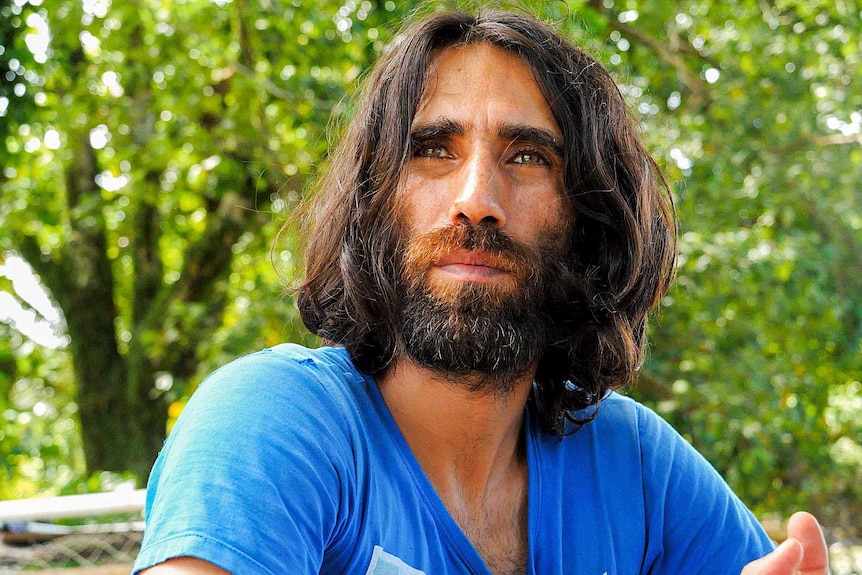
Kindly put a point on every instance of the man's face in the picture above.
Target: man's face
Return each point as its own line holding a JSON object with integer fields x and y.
{"x": 484, "y": 216}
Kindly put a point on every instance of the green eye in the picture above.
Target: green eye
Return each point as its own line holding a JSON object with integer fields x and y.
{"x": 530, "y": 158}
{"x": 431, "y": 151}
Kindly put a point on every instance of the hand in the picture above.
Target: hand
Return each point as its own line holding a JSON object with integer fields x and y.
{"x": 804, "y": 552}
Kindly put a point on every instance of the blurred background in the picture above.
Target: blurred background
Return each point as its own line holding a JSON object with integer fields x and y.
{"x": 150, "y": 150}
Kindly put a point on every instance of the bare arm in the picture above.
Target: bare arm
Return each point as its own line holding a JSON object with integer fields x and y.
{"x": 185, "y": 566}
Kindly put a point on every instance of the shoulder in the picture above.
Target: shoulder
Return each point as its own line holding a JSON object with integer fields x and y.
{"x": 623, "y": 419}
{"x": 267, "y": 440}
{"x": 660, "y": 449}
{"x": 285, "y": 378}
{"x": 628, "y": 445}
{"x": 267, "y": 402}
{"x": 278, "y": 400}
{"x": 284, "y": 366}
{"x": 617, "y": 408}
{"x": 687, "y": 504}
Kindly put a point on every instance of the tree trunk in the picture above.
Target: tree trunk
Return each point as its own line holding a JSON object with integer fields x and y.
{"x": 122, "y": 414}
{"x": 122, "y": 421}
{"x": 120, "y": 432}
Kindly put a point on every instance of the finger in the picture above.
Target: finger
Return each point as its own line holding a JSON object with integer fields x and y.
{"x": 804, "y": 528}
{"x": 784, "y": 560}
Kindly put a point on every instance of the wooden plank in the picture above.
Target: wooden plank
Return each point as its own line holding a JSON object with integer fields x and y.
{"x": 72, "y": 506}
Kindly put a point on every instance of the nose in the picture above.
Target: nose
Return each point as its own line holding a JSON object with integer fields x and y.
{"x": 479, "y": 192}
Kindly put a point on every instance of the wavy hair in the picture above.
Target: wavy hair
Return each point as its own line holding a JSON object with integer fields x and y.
{"x": 622, "y": 244}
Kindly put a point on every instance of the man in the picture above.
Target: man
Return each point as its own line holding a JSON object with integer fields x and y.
{"x": 490, "y": 238}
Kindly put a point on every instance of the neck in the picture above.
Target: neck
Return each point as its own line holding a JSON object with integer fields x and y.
{"x": 468, "y": 443}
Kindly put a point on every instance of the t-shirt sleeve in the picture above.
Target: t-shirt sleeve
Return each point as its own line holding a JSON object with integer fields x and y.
{"x": 252, "y": 475}
{"x": 695, "y": 523}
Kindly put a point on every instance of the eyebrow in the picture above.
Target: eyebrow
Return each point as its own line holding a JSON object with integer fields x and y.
{"x": 440, "y": 129}
{"x": 447, "y": 127}
{"x": 539, "y": 137}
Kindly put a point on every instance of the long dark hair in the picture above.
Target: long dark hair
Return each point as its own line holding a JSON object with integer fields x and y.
{"x": 623, "y": 234}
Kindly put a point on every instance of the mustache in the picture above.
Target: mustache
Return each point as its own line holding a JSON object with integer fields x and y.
{"x": 496, "y": 246}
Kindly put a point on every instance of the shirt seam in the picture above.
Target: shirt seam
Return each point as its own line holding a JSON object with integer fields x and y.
{"x": 161, "y": 542}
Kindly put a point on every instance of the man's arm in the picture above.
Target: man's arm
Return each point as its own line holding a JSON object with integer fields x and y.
{"x": 804, "y": 552}
{"x": 185, "y": 566}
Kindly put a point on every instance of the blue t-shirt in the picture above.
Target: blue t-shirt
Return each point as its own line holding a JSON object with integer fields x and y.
{"x": 288, "y": 461}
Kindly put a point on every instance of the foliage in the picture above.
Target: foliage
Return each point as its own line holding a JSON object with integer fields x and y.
{"x": 152, "y": 151}
{"x": 757, "y": 348}
{"x": 157, "y": 147}
{"x": 37, "y": 414}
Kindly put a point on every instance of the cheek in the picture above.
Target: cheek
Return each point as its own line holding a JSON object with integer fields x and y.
{"x": 419, "y": 206}
{"x": 541, "y": 210}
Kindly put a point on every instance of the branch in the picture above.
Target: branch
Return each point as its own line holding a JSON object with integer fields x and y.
{"x": 86, "y": 284}
{"x": 769, "y": 14}
{"x": 81, "y": 177}
{"x": 656, "y": 389}
{"x": 844, "y": 263}
{"x": 837, "y": 139}
{"x": 246, "y": 56}
{"x": 202, "y": 281}
{"x": 682, "y": 45}
{"x": 147, "y": 256}
{"x": 47, "y": 269}
{"x": 699, "y": 90}
{"x": 210, "y": 256}
{"x": 823, "y": 140}
{"x": 246, "y": 66}
{"x": 267, "y": 84}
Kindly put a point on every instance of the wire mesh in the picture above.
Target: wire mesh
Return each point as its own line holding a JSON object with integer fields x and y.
{"x": 71, "y": 551}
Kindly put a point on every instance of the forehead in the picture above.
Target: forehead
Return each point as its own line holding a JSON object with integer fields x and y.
{"x": 480, "y": 84}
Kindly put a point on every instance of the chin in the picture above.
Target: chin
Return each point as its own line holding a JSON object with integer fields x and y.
{"x": 455, "y": 291}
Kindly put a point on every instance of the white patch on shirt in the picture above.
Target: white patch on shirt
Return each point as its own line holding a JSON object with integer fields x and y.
{"x": 383, "y": 563}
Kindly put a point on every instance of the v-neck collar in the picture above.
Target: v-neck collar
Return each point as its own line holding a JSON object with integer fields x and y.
{"x": 460, "y": 543}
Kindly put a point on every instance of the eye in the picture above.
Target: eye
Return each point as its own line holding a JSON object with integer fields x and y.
{"x": 430, "y": 150}
{"x": 530, "y": 158}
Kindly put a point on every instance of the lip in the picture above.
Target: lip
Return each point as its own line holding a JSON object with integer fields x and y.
{"x": 472, "y": 266}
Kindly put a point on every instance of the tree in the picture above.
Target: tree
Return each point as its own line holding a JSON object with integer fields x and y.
{"x": 155, "y": 148}
{"x": 151, "y": 154}
{"x": 756, "y": 350}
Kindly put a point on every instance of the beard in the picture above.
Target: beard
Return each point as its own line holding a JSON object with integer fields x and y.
{"x": 492, "y": 333}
